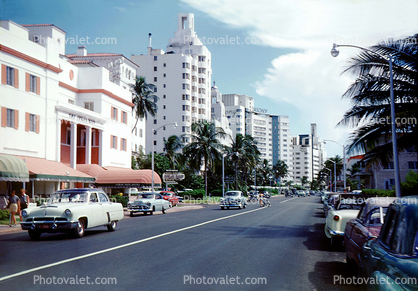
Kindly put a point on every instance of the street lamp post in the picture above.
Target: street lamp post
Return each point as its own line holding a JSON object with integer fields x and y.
{"x": 154, "y": 131}
{"x": 334, "y": 53}
{"x": 344, "y": 161}
{"x": 329, "y": 176}
{"x": 335, "y": 175}
{"x": 223, "y": 171}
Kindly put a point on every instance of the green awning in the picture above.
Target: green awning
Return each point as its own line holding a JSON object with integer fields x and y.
{"x": 13, "y": 169}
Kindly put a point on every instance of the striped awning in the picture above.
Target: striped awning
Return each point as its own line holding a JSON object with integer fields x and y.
{"x": 13, "y": 169}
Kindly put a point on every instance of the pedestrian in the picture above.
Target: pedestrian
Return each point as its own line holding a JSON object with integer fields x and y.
{"x": 14, "y": 207}
{"x": 24, "y": 202}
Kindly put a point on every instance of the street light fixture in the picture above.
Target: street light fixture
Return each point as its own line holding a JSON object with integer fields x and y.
{"x": 154, "y": 132}
{"x": 344, "y": 161}
{"x": 223, "y": 171}
{"x": 334, "y": 53}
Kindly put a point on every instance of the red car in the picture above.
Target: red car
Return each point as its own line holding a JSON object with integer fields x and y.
{"x": 367, "y": 225}
{"x": 171, "y": 197}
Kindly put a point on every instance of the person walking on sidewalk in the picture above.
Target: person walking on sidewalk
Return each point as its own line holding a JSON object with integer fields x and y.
{"x": 14, "y": 207}
{"x": 24, "y": 202}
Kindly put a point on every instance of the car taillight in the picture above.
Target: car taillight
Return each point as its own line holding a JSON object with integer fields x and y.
{"x": 336, "y": 217}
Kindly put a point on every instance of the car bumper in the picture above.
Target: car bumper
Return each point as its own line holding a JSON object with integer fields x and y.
{"x": 48, "y": 225}
{"x": 335, "y": 233}
{"x": 142, "y": 208}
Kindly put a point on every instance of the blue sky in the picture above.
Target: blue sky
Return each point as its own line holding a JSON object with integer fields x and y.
{"x": 289, "y": 73}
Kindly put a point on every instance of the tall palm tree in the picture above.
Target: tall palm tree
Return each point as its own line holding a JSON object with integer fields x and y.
{"x": 247, "y": 154}
{"x": 280, "y": 169}
{"x": 171, "y": 146}
{"x": 144, "y": 99}
{"x": 370, "y": 95}
{"x": 266, "y": 170}
{"x": 205, "y": 147}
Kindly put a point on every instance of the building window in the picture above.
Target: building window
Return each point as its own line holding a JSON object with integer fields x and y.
{"x": 10, "y": 76}
{"x": 12, "y": 118}
{"x": 114, "y": 113}
{"x": 389, "y": 184}
{"x": 140, "y": 132}
{"x": 32, "y": 123}
{"x": 32, "y": 83}
{"x": 164, "y": 75}
{"x": 155, "y": 121}
{"x": 123, "y": 144}
{"x": 164, "y": 65}
{"x": 164, "y": 117}
{"x": 186, "y": 86}
{"x": 155, "y": 58}
{"x": 155, "y": 89}
{"x": 70, "y": 101}
{"x": 113, "y": 142}
{"x": 124, "y": 117}
{"x": 164, "y": 96}
{"x": 164, "y": 107}
{"x": 155, "y": 79}
{"x": 155, "y": 69}
{"x": 89, "y": 105}
{"x": 413, "y": 165}
{"x": 389, "y": 166}
{"x": 68, "y": 136}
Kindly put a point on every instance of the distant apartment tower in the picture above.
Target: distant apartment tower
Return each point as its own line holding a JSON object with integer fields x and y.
{"x": 218, "y": 115}
{"x": 270, "y": 131}
{"x": 307, "y": 156}
{"x": 182, "y": 79}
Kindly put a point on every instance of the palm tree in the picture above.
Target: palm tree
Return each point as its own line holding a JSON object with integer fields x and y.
{"x": 171, "y": 146}
{"x": 280, "y": 169}
{"x": 371, "y": 99}
{"x": 205, "y": 146}
{"x": 247, "y": 154}
{"x": 144, "y": 99}
{"x": 266, "y": 170}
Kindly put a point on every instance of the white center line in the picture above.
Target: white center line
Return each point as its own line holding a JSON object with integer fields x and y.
{"x": 121, "y": 246}
{"x": 288, "y": 200}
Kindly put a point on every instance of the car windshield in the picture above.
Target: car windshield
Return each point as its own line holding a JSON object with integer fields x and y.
{"x": 354, "y": 206}
{"x": 232, "y": 194}
{"x": 65, "y": 197}
{"x": 145, "y": 196}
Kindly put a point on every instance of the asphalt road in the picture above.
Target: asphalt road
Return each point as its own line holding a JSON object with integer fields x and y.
{"x": 282, "y": 247}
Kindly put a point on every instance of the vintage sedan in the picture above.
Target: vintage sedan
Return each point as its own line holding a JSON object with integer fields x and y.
{"x": 171, "y": 197}
{"x": 392, "y": 258}
{"x": 72, "y": 210}
{"x": 233, "y": 199}
{"x": 367, "y": 225}
{"x": 346, "y": 208}
{"x": 148, "y": 202}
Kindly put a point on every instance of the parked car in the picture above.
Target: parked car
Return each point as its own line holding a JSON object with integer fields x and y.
{"x": 366, "y": 225}
{"x": 148, "y": 202}
{"x": 72, "y": 210}
{"x": 3, "y": 202}
{"x": 325, "y": 196}
{"x": 330, "y": 202}
{"x": 233, "y": 199}
{"x": 170, "y": 197}
{"x": 392, "y": 258}
{"x": 346, "y": 208}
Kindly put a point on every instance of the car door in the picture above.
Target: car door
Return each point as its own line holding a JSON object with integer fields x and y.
{"x": 98, "y": 216}
{"x": 107, "y": 206}
{"x": 158, "y": 202}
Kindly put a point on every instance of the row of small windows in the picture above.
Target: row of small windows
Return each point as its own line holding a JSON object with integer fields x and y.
{"x": 114, "y": 115}
{"x": 114, "y": 143}
{"x": 10, "y": 118}
{"x": 10, "y": 76}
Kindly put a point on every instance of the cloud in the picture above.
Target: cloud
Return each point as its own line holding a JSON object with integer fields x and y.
{"x": 310, "y": 79}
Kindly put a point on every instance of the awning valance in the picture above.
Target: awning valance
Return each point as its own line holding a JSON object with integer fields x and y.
{"x": 13, "y": 169}
{"x": 46, "y": 170}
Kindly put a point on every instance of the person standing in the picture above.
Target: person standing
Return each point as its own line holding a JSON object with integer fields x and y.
{"x": 14, "y": 207}
{"x": 24, "y": 202}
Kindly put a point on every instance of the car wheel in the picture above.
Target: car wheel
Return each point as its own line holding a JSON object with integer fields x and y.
{"x": 222, "y": 208}
{"x": 227, "y": 208}
{"x": 79, "y": 230}
{"x": 34, "y": 234}
{"x": 240, "y": 206}
{"x": 152, "y": 212}
{"x": 164, "y": 210}
{"x": 131, "y": 214}
{"x": 112, "y": 226}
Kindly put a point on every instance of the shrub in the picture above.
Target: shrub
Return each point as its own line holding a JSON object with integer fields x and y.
{"x": 120, "y": 199}
{"x": 198, "y": 193}
{"x": 379, "y": 192}
{"x": 4, "y": 214}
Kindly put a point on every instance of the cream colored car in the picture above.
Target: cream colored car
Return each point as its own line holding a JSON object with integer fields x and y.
{"x": 72, "y": 210}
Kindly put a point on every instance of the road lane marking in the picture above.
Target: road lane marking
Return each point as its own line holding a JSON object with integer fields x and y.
{"x": 288, "y": 200}
{"x": 123, "y": 246}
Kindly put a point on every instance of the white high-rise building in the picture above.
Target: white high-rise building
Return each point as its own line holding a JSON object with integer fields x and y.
{"x": 182, "y": 76}
{"x": 219, "y": 116}
{"x": 307, "y": 156}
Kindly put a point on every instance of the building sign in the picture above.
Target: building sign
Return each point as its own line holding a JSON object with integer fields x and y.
{"x": 260, "y": 110}
{"x": 173, "y": 176}
{"x": 81, "y": 118}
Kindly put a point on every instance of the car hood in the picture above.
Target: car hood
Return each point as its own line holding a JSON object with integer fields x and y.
{"x": 142, "y": 201}
{"x": 52, "y": 209}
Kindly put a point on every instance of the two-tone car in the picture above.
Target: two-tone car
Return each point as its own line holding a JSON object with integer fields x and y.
{"x": 346, "y": 208}
{"x": 391, "y": 260}
{"x": 365, "y": 226}
{"x": 148, "y": 202}
{"x": 171, "y": 197}
{"x": 72, "y": 210}
{"x": 233, "y": 199}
